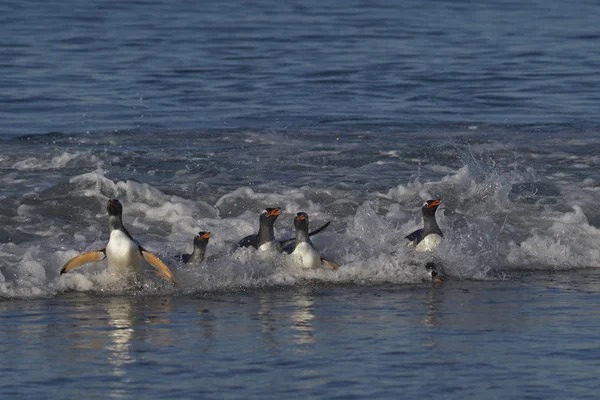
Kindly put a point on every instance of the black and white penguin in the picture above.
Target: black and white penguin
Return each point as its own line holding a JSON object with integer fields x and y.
{"x": 430, "y": 236}
{"x": 197, "y": 256}
{"x": 303, "y": 249}
{"x": 123, "y": 253}
{"x": 434, "y": 274}
{"x": 264, "y": 240}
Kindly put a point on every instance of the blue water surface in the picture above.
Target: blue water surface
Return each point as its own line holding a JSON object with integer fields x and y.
{"x": 200, "y": 114}
{"x": 179, "y": 65}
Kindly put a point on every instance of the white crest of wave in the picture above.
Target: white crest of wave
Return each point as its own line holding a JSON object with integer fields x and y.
{"x": 491, "y": 220}
{"x": 569, "y": 242}
{"x": 57, "y": 162}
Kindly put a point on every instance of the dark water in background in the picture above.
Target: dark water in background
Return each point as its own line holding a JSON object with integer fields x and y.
{"x": 197, "y": 116}
{"x": 166, "y": 66}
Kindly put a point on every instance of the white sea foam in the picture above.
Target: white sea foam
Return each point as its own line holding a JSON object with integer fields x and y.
{"x": 58, "y": 162}
{"x": 492, "y": 220}
{"x": 569, "y": 242}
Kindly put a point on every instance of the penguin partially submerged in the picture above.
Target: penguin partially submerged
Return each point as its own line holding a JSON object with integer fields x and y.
{"x": 265, "y": 238}
{"x": 123, "y": 253}
{"x": 428, "y": 237}
{"x": 197, "y": 256}
{"x": 303, "y": 249}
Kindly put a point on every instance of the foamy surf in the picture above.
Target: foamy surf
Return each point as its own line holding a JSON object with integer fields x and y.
{"x": 495, "y": 220}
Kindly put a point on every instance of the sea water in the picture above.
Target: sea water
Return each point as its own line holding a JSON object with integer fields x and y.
{"x": 198, "y": 116}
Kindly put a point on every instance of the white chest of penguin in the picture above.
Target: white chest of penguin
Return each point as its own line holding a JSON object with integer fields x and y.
{"x": 123, "y": 254}
{"x": 429, "y": 242}
{"x": 271, "y": 246}
{"x": 307, "y": 256}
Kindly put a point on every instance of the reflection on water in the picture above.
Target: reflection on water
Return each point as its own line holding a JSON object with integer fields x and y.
{"x": 121, "y": 318}
{"x": 268, "y": 321}
{"x": 128, "y": 318}
{"x": 431, "y": 319}
{"x": 302, "y": 317}
{"x": 432, "y": 304}
{"x": 125, "y": 317}
{"x": 265, "y": 313}
{"x": 328, "y": 342}
{"x": 288, "y": 321}
{"x": 207, "y": 324}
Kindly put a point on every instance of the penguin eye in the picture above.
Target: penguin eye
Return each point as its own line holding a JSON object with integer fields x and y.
{"x": 426, "y": 205}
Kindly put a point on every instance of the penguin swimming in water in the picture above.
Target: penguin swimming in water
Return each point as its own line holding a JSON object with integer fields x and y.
{"x": 123, "y": 253}
{"x": 428, "y": 237}
{"x": 303, "y": 249}
{"x": 265, "y": 238}
{"x": 434, "y": 274}
{"x": 197, "y": 256}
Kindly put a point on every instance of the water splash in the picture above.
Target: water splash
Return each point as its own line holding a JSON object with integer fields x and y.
{"x": 495, "y": 219}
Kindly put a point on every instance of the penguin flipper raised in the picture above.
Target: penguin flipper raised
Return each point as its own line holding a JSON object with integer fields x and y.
{"x": 248, "y": 241}
{"x": 285, "y": 243}
{"x": 416, "y": 236}
{"x": 325, "y": 225}
{"x": 329, "y": 264}
{"x": 163, "y": 270}
{"x": 84, "y": 258}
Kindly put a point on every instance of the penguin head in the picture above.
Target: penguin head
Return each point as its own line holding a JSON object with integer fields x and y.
{"x": 114, "y": 207}
{"x": 269, "y": 214}
{"x": 201, "y": 239}
{"x": 433, "y": 272}
{"x": 430, "y": 206}
{"x": 301, "y": 221}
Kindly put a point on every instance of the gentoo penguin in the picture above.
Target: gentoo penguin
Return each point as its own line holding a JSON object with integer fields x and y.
{"x": 430, "y": 236}
{"x": 123, "y": 253}
{"x": 200, "y": 242}
{"x": 303, "y": 249}
{"x": 434, "y": 274}
{"x": 265, "y": 238}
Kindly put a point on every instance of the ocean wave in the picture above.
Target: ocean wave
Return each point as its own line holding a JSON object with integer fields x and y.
{"x": 493, "y": 222}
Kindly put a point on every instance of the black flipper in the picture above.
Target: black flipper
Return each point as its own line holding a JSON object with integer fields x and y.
{"x": 290, "y": 247}
{"x": 184, "y": 258}
{"x": 285, "y": 244}
{"x": 248, "y": 241}
{"x": 416, "y": 236}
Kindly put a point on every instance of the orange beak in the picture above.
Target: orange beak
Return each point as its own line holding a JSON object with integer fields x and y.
{"x": 275, "y": 212}
{"x": 435, "y": 203}
{"x": 205, "y": 236}
{"x": 300, "y": 217}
